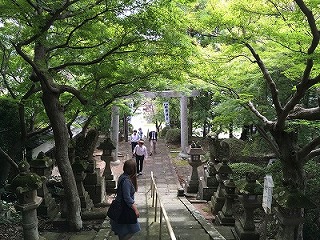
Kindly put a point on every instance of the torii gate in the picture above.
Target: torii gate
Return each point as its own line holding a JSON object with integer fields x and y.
{"x": 183, "y": 117}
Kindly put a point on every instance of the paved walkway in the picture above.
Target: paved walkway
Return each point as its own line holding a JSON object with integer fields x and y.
{"x": 186, "y": 221}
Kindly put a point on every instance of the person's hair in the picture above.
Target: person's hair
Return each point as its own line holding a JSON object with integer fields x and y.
{"x": 130, "y": 168}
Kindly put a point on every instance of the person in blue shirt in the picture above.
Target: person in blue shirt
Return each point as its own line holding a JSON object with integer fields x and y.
{"x": 128, "y": 188}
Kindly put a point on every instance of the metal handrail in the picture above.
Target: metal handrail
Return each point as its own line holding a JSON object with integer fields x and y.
{"x": 163, "y": 214}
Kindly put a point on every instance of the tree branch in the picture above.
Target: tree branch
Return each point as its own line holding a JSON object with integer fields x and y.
{"x": 305, "y": 113}
{"x": 9, "y": 159}
{"x": 312, "y": 154}
{"x": 75, "y": 92}
{"x": 268, "y": 78}
{"x": 269, "y": 140}
{"x": 306, "y": 150}
{"x": 267, "y": 122}
{"x": 312, "y": 24}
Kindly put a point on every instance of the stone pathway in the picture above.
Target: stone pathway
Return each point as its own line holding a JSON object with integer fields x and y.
{"x": 185, "y": 225}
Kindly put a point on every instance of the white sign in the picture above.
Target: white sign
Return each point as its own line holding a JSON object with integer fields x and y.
{"x": 166, "y": 113}
{"x": 267, "y": 193}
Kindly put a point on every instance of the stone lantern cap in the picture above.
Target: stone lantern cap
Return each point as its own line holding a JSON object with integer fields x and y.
{"x": 292, "y": 199}
{"x": 106, "y": 145}
{"x": 42, "y": 161}
{"x": 25, "y": 181}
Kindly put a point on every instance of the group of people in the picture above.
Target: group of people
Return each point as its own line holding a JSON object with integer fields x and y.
{"x": 128, "y": 180}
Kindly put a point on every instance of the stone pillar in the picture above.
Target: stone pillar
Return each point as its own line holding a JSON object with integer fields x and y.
{"x": 209, "y": 183}
{"x": 218, "y": 198}
{"x": 25, "y": 185}
{"x": 93, "y": 183}
{"x": 79, "y": 167}
{"x": 184, "y": 126}
{"x": 107, "y": 147}
{"x": 115, "y": 130}
{"x": 42, "y": 166}
{"x": 225, "y": 216}
{"x": 250, "y": 197}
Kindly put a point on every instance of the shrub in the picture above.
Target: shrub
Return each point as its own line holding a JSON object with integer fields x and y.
{"x": 164, "y": 131}
{"x": 240, "y": 170}
{"x": 173, "y": 136}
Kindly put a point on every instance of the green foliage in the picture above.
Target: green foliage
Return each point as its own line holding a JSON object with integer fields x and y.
{"x": 240, "y": 169}
{"x": 8, "y": 214}
{"x": 233, "y": 146}
{"x": 311, "y": 228}
{"x": 257, "y": 146}
{"x": 164, "y": 131}
{"x": 9, "y": 123}
{"x": 173, "y": 136}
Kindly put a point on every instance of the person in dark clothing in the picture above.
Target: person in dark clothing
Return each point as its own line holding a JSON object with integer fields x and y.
{"x": 128, "y": 188}
{"x": 153, "y": 138}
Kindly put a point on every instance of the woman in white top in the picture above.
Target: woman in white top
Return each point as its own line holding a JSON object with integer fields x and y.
{"x": 140, "y": 152}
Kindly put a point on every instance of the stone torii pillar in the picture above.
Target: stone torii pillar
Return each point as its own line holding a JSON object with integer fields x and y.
{"x": 184, "y": 125}
{"x": 114, "y": 132}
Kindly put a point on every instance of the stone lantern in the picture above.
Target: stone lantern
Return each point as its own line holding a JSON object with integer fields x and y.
{"x": 195, "y": 153}
{"x": 225, "y": 216}
{"x": 289, "y": 203}
{"x": 250, "y": 192}
{"x": 25, "y": 185}
{"x": 218, "y": 198}
{"x": 42, "y": 166}
{"x": 107, "y": 147}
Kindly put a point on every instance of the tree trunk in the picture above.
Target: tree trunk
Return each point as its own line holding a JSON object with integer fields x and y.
{"x": 292, "y": 167}
{"x": 61, "y": 138}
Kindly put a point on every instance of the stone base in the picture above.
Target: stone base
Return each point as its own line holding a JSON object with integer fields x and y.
{"x": 205, "y": 192}
{"x": 192, "y": 186}
{"x": 216, "y": 204}
{"x": 48, "y": 208}
{"x": 97, "y": 191}
{"x": 86, "y": 202}
{"x": 222, "y": 219}
{"x": 241, "y": 234}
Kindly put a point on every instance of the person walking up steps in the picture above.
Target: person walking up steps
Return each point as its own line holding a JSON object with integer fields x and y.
{"x": 153, "y": 138}
{"x": 140, "y": 152}
{"x": 134, "y": 139}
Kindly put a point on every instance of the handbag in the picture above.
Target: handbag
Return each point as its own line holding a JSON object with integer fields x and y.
{"x": 114, "y": 210}
{"x": 120, "y": 212}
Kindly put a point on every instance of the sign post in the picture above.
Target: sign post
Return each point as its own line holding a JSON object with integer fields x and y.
{"x": 267, "y": 199}
{"x": 166, "y": 113}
